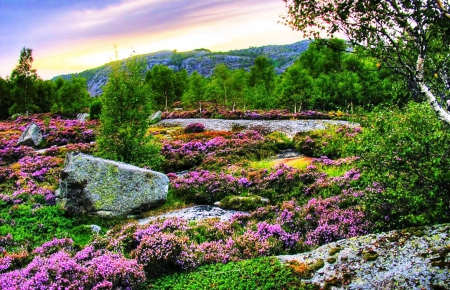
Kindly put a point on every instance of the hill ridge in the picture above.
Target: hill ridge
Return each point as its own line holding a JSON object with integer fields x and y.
{"x": 201, "y": 60}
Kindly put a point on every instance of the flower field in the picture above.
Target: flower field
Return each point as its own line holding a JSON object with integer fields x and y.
{"x": 41, "y": 247}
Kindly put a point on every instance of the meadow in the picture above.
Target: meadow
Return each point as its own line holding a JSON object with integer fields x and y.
{"x": 391, "y": 173}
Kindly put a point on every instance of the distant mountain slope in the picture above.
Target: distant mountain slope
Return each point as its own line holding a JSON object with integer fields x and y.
{"x": 203, "y": 61}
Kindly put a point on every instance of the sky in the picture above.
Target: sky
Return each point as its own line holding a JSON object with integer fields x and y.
{"x": 69, "y": 36}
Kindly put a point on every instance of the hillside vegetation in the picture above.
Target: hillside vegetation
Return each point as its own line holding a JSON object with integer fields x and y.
{"x": 201, "y": 60}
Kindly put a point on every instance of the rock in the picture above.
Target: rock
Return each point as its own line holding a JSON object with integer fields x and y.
{"x": 288, "y": 127}
{"x": 32, "y": 136}
{"x": 95, "y": 229}
{"x": 198, "y": 212}
{"x": 156, "y": 117}
{"x": 82, "y": 117}
{"x": 95, "y": 186}
{"x": 415, "y": 258}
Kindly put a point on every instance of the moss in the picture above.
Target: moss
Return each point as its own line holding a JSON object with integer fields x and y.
{"x": 317, "y": 265}
{"x": 331, "y": 260}
{"x": 370, "y": 256}
{"x": 335, "y": 250}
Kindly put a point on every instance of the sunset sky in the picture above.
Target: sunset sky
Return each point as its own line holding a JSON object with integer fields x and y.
{"x": 70, "y": 36}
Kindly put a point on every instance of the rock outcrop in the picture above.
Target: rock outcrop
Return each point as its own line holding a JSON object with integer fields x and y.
{"x": 31, "y": 136}
{"x": 156, "y": 117}
{"x": 416, "y": 258}
{"x": 197, "y": 212}
{"x": 95, "y": 186}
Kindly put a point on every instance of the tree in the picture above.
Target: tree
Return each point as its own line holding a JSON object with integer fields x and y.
{"x": 22, "y": 81}
{"x": 162, "y": 83}
{"x": 180, "y": 83}
{"x": 71, "y": 95}
{"x": 5, "y": 98}
{"x": 262, "y": 73}
{"x": 126, "y": 106}
{"x": 219, "y": 86}
{"x": 296, "y": 87}
{"x": 410, "y": 37}
{"x": 195, "y": 93}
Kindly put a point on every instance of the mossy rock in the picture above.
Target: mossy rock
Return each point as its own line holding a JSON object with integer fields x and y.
{"x": 370, "y": 256}
{"x": 335, "y": 250}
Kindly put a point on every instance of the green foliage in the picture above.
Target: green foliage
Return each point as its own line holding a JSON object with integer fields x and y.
{"x": 6, "y": 100}
{"x": 126, "y": 107}
{"x": 31, "y": 226}
{"x": 330, "y": 142}
{"x": 95, "y": 109}
{"x": 22, "y": 81}
{"x": 244, "y": 203}
{"x": 261, "y": 273}
{"x": 417, "y": 49}
{"x": 71, "y": 95}
{"x": 327, "y": 76}
{"x": 407, "y": 152}
{"x": 162, "y": 84}
{"x": 195, "y": 92}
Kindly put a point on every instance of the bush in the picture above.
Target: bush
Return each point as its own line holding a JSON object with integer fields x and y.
{"x": 194, "y": 128}
{"x": 407, "y": 153}
{"x": 95, "y": 109}
{"x": 331, "y": 142}
{"x": 262, "y": 273}
{"x": 124, "y": 118}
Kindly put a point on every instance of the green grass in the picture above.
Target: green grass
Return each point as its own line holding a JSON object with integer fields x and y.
{"x": 172, "y": 203}
{"x": 297, "y": 163}
{"x": 260, "y": 273}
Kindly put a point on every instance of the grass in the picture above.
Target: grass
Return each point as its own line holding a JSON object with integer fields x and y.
{"x": 172, "y": 203}
{"x": 260, "y": 273}
{"x": 297, "y": 163}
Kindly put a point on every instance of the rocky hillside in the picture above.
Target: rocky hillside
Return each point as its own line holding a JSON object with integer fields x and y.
{"x": 204, "y": 61}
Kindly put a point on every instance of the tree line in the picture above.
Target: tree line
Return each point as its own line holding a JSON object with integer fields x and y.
{"x": 327, "y": 76}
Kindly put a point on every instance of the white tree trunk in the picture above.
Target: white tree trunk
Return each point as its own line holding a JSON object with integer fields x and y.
{"x": 442, "y": 114}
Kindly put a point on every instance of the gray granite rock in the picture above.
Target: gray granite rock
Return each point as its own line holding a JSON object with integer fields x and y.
{"x": 417, "y": 258}
{"x": 82, "y": 117}
{"x": 198, "y": 212}
{"x": 288, "y": 127}
{"x": 31, "y": 136}
{"x": 95, "y": 186}
{"x": 156, "y": 117}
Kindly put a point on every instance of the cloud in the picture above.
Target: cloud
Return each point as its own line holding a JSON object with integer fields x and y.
{"x": 80, "y": 36}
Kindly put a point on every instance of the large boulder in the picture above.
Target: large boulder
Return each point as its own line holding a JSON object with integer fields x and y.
{"x": 31, "y": 136}
{"x": 95, "y": 186}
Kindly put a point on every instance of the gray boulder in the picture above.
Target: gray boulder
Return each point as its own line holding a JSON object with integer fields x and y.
{"x": 95, "y": 186}
{"x": 156, "y": 117}
{"x": 82, "y": 117}
{"x": 32, "y": 136}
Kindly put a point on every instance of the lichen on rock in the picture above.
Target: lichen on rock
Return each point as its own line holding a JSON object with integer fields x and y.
{"x": 90, "y": 185}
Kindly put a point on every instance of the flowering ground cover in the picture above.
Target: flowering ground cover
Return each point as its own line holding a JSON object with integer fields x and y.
{"x": 42, "y": 247}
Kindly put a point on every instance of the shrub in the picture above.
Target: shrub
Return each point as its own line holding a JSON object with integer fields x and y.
{"x": 95, "y": 109}
{"x": 125, "y": 110}
{"x": 331, "y": 142}
{"x": 261, "y": 273}
{"x": 194, "y": 128}
{"x": 407, "y": 153}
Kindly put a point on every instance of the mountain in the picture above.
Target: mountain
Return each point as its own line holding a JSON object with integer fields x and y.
{"x": 203, "y": 61}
